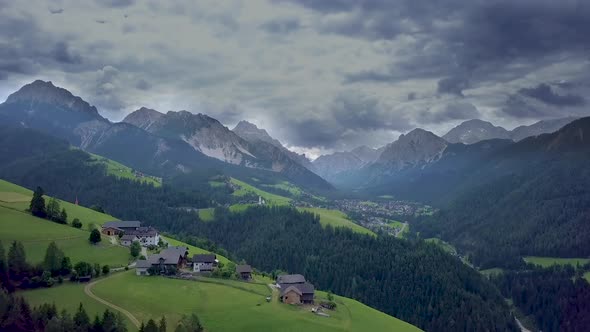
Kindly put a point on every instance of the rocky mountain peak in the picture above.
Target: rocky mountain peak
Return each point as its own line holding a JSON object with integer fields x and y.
{"x": 251, "y": 132}
{"x": 143, "y": 117}
{"x": 419, "y": 146}
{"x": 473, "y": 131}
{"x": 41, "y": 92}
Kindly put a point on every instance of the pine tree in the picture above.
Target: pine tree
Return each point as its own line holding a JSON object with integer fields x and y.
{"x": 17, "y": 261}
{"x": 97, "y": 325}
{"x": 81, "y": 319}
{"x": 163, "y": 324}
{"x": 4, "y": 281}
{"x": 53, "y": 259}
{"x": 37, "y": 206}
{"x": 151, "y": 326}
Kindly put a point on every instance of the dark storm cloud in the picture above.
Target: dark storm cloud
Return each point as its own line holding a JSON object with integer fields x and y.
{"x": 545, "y": 93}
{"x": 476, "y": 39}
{"x": 56, "y": 10}
{"x": 411, "y": 96}
{"x": 517, "y": 107}
{"x": 143, "y": 85}
{"x": 281, "y": 26}
{"x": 115, "y": 3}
{"x": 348, "y": 118}
{"x": 62, "y": 53}
{"x": 450, "y": 112}
{"x": 452, "y": 85}
{"x": 358, "y": 112}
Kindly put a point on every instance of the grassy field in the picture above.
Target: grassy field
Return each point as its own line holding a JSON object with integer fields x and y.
{"x": 492, "y": 271}
{"x": 68, "y": 296}
{"x": 336, "y": 218}
{"x": 399, "y": 225}
{"x": 122, "y": 171}
{"x": 86, "y": 216}
{"x": 192, "y": 249}
{"x": 548, "y": 261}
{"x": 587, "y": 276}
{"x": 216, "y": 184}
{"x": 444, "y": 245}
{"x": 228, "y": 307}
{"x": 268, "y": 197}
{"x": 36, "y": 234}
{"x": 286, "y": 186}
{"x": 240, "y": 207}
{"x": 206, "y": 214}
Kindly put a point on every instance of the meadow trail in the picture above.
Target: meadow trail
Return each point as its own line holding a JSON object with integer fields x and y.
{"x": 88, "y": 291}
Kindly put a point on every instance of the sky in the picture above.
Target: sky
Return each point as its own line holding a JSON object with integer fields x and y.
{"x": 319, "y": 75}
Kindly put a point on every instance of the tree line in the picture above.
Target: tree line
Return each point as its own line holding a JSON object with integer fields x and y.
{"x": 17, "y": 273}
{"x": 558, "y": 297}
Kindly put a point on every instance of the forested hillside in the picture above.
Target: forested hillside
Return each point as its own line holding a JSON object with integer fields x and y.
{"x": 534, "y": 202}
{"x": 416, "y": 282}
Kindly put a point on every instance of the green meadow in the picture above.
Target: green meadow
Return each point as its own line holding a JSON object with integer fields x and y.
{"x": 249, "y": 189}
{"x": 68, "y": 296}
{"x": 228, "y": 307}
{"x": 87, "y": 216}
{"x": 336, "y": 218}
{"x": 207, "y": 214}
{"x": 122, "y": 171}
{"x": 444, "y": 245}
{"x": 549, "y": 261}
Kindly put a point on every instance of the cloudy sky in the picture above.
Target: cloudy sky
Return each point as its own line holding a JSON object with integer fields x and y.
{"x": 319, "y": 75}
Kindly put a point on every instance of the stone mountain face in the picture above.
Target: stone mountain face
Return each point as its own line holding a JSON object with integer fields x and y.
{"x": 55, "y": 111}
{"x": 538, "y": 128}
{"x": 40, "y": 93}
{"x": 160, "y": 144}
{"x": 473, "y": 131}
{"x": 251, "y": 133}
{"x": 333, "y": 165}
{"x": 415, "y": 148}
{"x": 202, "y": 132}
{"x": 208, "y": 136}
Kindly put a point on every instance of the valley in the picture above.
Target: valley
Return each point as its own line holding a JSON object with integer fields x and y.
{"x": 460, "y": 214}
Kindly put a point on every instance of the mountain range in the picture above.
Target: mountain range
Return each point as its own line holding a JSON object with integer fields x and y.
{"x": 157, "y": 143}
{"x": 181, "y": 142}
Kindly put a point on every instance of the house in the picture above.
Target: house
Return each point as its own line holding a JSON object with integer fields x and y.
{"x": 294, "y": 289}
{"x": 127, "y": 239}
{"x": 244, "y": 271}
{"x": 173, "y": 257}
{"x": 119, "y": 227}
{"x": 146, "y": 236}
{"x": 142, "y": 266}
{"x": 204, "y": 262}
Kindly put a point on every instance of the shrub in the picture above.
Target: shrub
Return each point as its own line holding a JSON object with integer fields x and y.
{"x": 76, "y": 223}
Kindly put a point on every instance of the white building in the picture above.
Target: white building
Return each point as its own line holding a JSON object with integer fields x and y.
{"x": 204, "y": 262}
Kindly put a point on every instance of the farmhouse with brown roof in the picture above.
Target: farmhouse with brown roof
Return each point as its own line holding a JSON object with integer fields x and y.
{"x": 294, "y": 289}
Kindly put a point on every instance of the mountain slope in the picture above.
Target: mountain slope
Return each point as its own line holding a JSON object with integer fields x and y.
{"x": 538, "y": 128}
{"x": 526, "y": 198}
{"x": 331, "y": 166}
{"x": 416, "y": 148}
{"x": 208, "y": 136}
{"x": 251, "y": 133}
{"x": 55, "y": 111}
{"x": 473, "y": 131}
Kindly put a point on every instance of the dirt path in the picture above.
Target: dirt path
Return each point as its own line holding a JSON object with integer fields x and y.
{"x": 88, "y": 291}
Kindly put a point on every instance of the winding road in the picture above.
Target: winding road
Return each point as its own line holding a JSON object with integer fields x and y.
{"x": 88, "y": 291}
